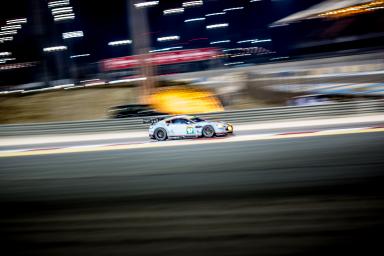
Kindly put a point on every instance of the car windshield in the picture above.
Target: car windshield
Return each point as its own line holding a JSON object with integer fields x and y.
{"x": 197, "y": 119}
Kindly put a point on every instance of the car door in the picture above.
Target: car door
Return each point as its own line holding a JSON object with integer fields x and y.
{"x": 181, "y": 127}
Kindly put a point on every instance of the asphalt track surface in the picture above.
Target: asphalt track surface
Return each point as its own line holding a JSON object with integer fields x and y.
{"x": 140, "y": 139}
{"x": 314, "y": 195}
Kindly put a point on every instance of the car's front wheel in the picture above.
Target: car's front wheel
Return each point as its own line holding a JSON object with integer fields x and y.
{"x": 208, "y": 131}
{"x": 160, "y": 134}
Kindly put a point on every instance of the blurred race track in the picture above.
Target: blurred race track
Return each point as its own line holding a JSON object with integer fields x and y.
{"x": 314, "y": 195}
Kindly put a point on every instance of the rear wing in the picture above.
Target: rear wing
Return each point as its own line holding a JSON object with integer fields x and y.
{"x": 153, "y": 120}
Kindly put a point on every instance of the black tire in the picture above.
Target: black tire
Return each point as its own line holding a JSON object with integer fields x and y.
{"x": 208, "y": 131}
{"x": 160, "y": 134}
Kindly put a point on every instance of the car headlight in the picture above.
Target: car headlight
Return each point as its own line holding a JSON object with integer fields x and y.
{"x": 220, "y": 126}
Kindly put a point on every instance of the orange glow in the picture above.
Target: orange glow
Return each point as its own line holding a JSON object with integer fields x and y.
{"x": 182, "y": 100}
{"x": 353, "y": 10}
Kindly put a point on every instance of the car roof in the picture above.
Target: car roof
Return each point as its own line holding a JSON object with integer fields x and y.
{"x": 180, "y": 116}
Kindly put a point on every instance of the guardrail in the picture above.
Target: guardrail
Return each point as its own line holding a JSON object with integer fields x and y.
{"x": 240, "y": 116}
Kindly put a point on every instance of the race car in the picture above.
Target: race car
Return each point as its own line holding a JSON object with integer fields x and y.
{"x": 186, "y": 127}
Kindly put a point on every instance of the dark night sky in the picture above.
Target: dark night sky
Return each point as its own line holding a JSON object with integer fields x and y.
{"x": 104, "y": 21}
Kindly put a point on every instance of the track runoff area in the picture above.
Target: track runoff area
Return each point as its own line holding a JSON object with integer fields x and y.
{"x": 246, "y": 132}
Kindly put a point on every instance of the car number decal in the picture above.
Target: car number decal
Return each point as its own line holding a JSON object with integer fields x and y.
{"x": 190, "y": 130}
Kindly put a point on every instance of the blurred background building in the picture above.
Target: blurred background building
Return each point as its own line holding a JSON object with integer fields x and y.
{"x": 245, "y": 31}
{"x": 314, "y": 46}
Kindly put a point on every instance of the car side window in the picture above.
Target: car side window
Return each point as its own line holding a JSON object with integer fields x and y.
{"x": 180, "y": 121}
{"x": 175, "y": 121}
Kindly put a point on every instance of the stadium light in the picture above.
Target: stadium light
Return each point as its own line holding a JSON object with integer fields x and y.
{"x": 16, "y": 21}
{"x": 214, "y": 14}
{"x": 192, "y": 3}
{"x": 120, "y": 42}
{"x": 64, "y": 17}
{"x": 55, "y": 48}
{"x": 261, "y": 41}
{"x": 166, "y": 49}
{"x": 58, "y": 3}
{"x": 11, "y": 27}
{"x": 5, "y": 54}
{"x": 73, "y": 34}
{"x": 222, "y": 25}
{"x": 127, "y": 80}
{"x": 8, "y": 32}
{"x": 6, "y": 38}
{"x": 234, "y": 63}
{"x": 62, "y": 10}
{"x": 220, "y": 42}
{"x": 4, "y": 60}
{"x": 233, "y": 9}
{"x": 80, "y": 55}
{"x": 173, "y": 11}
{"x": 146, "y": 4}
{"x": 167, "y": 38}
{"x": 247, "y": 41}
{"x": 194, "y": 19}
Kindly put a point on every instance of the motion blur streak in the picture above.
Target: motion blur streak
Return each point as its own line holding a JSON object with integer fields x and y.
{"x": 302, "y": 196}
{"x": 142, "y": 145}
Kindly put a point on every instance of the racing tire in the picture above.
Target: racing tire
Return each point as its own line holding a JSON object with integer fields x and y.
{"x": 208, "y": 131}
{"x": 160, "y": 134}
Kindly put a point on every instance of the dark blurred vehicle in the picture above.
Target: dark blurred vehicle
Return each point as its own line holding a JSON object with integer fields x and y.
{"x": 311, "y": 99}
{"x": 133, "y": 110}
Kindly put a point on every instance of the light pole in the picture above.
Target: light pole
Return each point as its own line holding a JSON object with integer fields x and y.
{"x": 56, "y": 50}
{"x": 138, "y": 24}
{"x": 39, "y": 33}
{"x": 70, "y": 37}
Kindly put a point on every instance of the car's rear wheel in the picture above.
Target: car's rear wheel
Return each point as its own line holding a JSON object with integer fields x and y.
{"x": 160, "y": 134}
{"x": 208, "y": 131}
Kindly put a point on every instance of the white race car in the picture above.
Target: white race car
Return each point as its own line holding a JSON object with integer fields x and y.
{"x": 186, "y": 127}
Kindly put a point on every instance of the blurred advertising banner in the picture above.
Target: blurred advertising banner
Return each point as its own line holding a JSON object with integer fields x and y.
{"x": 161, "y": 58}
